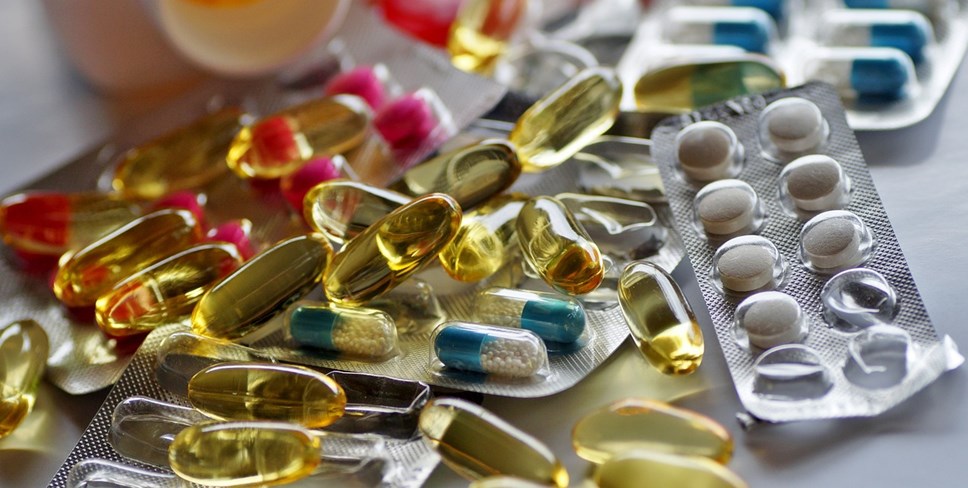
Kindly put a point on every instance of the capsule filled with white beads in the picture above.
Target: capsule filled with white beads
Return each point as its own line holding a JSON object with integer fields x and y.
{"x": 352, "y": 333}
{"x": 498, "y": 351}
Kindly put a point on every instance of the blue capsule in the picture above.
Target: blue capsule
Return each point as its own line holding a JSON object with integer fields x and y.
{"x": 871, "y": 73}
{"x": 934, "y": 9}
{"x": 362, "y": 333}
{"x": 499, "y": 351}
{"x": 775, "y": 8}
{"x": 552, "y": 316}
{"x": 748, "y": 28}
{"x": 906, "y": 30}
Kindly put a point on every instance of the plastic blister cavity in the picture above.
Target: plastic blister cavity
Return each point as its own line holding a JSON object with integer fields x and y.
{"x": 856, "y": 299}
{"x": 790, "y": 373}
{"x": 747, "y": 264}
{"x": 728, "y": 208}
{"x": 790, "y": 127}
{"x": 813, "y": 184}
{"x": 708, "y": 151}
{"x": 834, "y": 241}
{"x": 769, "y": 319}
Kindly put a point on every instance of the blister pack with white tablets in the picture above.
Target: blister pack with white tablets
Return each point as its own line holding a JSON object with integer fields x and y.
{"x": 890, "y": 60}
{"x": 810, "y": 295}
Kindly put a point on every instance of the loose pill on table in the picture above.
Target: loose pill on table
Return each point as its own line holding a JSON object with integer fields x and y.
{"x": 728, "y": 207}
{"x": 792, "y": 125}
{"x": 906, "y": 30}
{"x": 747, "y": 263}
{"x": 499, "y": 351}
{"x": 878, "y": 74}
{"x": 770, "y": 319}
{"x": 834, "y": 240}
{"x": 748, "y": 28}
{"x": 708, "y": 151}
{"x": 814, "y": 183}
{"x": 357, "y": 332}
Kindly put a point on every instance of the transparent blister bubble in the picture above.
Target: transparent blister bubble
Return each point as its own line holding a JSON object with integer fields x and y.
{"x": 790, "y": 128}
{"x": 488, "y": 353}
{"x": 792, "y": 372}
{"x": 856, "y": 299}
{"x": 537, "y": 67}
{"x": 413, "y": 306}
{"x": 91, "y": 473}
{"x": 726, "y": 209}
{"x": 813, "y": 184}
{"x": 624, "y": 229}
{"x": 747, "y": 264}
{"x": 834, "y": 241}
{"x": 769, "y": 319}
{"x": 879, "y": 357}
{"x": 142, "y": 428}
{"x": 708, "y": 151}
{"x": 620, "y": 167}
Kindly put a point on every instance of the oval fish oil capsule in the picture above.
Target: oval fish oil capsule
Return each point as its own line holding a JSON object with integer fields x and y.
{"x": 687, "y": 86}
{"x": 342, "y": 209}
{"x": 392, "y": 249}
{"x": 185, "y": 159}
{"x": 244, "y": 453}
{"x": 23, "y": 356}
{"x": 476, "y": 444}
{"x": 639, "y": 423}
{"x": 565, "y": 120}
{"x": 558, "y": 248}
{"x": 635, "y": 468}
{"x": 142, "y": 428}
{"x": 481, "y": 31}
{"x": 281, "y": 143}
{"x": 182, "y": 354}
{"x": 866, "y": 73}
{"x": 471, "y": 174}
{"x": 747, "y": 28}
{"x": 490, "y": 350}
{"x": 165, "y": 292}
{"x": 91, "y": 271}
{"x": 267, "y": 391}
{"x": 486, "y": 240}
{"x": 553, "y": 317}
{"x": 662, "y": 322}
{"x": 362, "y": 333}
{"x": 50, "y": 223}
{"x": 244, "y": 300}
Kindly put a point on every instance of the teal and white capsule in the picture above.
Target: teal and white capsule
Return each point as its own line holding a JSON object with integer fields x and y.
{"x": 751, "y": 29}
{"x": 552, "y": 316}
{"x": 906, "y": 30}
{"x": 875, "y": 73}
{"x": 775, "y": 8}
{"x": 933, "y": 9}
{"x": 499, "y": 351}
{"x": 362, "y": 333}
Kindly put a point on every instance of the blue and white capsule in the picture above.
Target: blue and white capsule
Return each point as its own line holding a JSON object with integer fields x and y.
{"x": 358, "y": 333}
{"x": 906, "y": 30}
{"x": 552, "y": 316}
{"x": 867, "y": 73}
{"x": 933, "y": 9}
{"x": 748, "y": 28}
{"x": 488, "y": 349}
{"x": 775, "y": 8}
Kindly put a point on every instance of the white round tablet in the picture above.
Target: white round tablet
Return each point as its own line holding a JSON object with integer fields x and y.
{"x": 793, "y": 125}
{"x": 815, "y": 183}
{"x": 770, "y": 319}
{"x": 708, "y": 151}
{"x": 835, "y": 240}
{"x": 728, "y": 207}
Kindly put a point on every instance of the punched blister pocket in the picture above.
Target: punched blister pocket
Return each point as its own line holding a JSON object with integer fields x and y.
{"x": 817, "y": 312}
{"x": 891, "y": 61}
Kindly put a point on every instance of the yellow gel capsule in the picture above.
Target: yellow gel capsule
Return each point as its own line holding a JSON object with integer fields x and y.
{"x": 185, "y": 159}
{"x": 281, "y": 143}
{"x": 23, "y": 357}
{"x": 661, "y": 320}
{"x": 562, "y": 122}
{"x": 486, "y": 240}
{"x": 481, "y": 31}
{"x": 267, "y": 391}
{"x": 639, "y": 468}
{"x": 244, "y": 453}
{"x": 262, "y": 287}
{"x": 342, "y": 209}
{"x": 91, "y": 271}
{"x": 637, "y": 423}
{"x": 392, "y": 249}
{"x": 685, "y": 87}
{"x": 558, "y": 248}
{"x": 471, "y": 174}
{"x": 477, "y": 444}
{"x": 182, "y": 354}
{"x": 506, "y": 482}
{"x": 165, "y": 292}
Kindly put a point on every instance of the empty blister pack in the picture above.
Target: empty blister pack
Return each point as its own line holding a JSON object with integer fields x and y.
{"x": 815, "y": 309}
{"x": 891, "y": 62}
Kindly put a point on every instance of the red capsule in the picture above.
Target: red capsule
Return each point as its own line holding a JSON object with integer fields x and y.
{"x": 362, "y": 81}
{"x": 294, "y": 186}
{"x": 238, "y": 232}
{"x": 428, "y": 20}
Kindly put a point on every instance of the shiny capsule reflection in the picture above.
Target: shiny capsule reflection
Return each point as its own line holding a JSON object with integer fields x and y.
{"x": 486, "y": 240}
{"x": 342, "y": 209}
{"x": 267, "y": 391}
{"x": 685, "y": 87}
{"x": 635, "y": 468}
{"x": 24, "y": 349}
{"x": 165, "y": 292}
{"x": 254, "y": 293}
{"x": 91, "y": 271}
{"x": 184, "y": 159}
{"x": 357, "y": 332}
{"x": 562, "y": 122}
{"x": 142, "y": 428}
{"x": 558, "y": 248}
{"x": 182, "y": 354}
{"x": 392, "y": 249}
{"x": 481, "y": 31}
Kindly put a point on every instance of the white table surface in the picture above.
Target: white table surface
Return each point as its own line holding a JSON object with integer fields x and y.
{"x": 48, "y": 114}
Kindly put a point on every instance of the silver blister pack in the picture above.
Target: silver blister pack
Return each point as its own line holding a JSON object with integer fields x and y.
{"x": 832, "y": 372}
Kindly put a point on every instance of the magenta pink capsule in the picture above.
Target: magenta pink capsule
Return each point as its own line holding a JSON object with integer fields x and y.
{"x": 294, "y": 186}
{"x": 184, "y": 200}
{"x": 406, "y": 122}
{"x": 362, "y": 81}
{"x": 238, "y": 232}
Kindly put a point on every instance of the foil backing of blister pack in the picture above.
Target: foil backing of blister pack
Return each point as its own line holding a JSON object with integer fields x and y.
{"x": 84, "y": 360}
{"x": 797, "y": 37}
{"x": 411, "y": 461}
{"x": 931, "y": 355}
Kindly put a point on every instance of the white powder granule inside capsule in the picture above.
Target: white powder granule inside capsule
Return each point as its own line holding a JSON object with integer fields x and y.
{"x": 746, "y": 268}
{"x": 364, "y": 339}
{"x": 771, "y": 319}
{"x": 726, "y": 211}
{"x": 832, "y": 243}
{"x": 514, "y": 358}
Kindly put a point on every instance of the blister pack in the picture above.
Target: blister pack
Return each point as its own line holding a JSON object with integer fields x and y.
{"x": 891, "y": 61}
{"x": 810, "y": 295}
